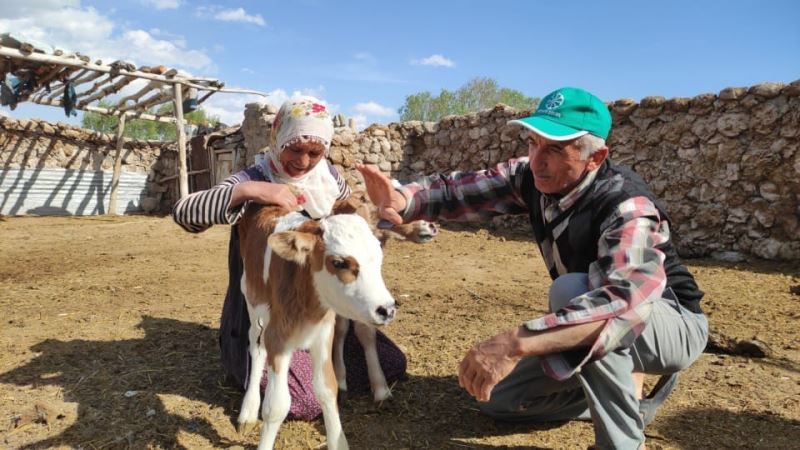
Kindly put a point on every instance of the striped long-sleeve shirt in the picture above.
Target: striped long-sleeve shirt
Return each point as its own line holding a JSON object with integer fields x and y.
{"x": 200, "y": 210}
{"x": 628, "y": 271}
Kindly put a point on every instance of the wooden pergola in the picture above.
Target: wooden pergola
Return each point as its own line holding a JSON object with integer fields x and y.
{"x": 50, "y": 73}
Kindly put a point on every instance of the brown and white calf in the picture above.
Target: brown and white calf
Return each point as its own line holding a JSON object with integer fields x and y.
{"x": 298, "y": 275}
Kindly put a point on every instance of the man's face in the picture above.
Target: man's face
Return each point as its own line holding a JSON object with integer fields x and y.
{"x": 556, "y": 165}
{"x": 298, "y": 159}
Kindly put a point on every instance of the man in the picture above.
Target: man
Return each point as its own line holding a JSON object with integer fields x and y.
{"x": 621, "y": 304}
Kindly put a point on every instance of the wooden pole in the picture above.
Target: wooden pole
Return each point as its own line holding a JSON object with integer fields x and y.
{"x": 112, "y": 202}
{"x": 184, "y": 177}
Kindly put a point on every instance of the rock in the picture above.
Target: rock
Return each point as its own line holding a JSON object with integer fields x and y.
{"x": 678, "y": 104}
{"x": 720, "y": 343}
{"x": 769, "y": 191}
{"x": 767, "y": 248}
{"x": 767, "y": 90}
{"x": 753, "y": 348}
{"x": 417, "y": 166}
{"x": 793, "y": 89}
{"x": 623, "y": 106}
{"x": 732, "y": 93}
{"x": 651, "y": 106}
{"x": 702, "y": 103}
{"x": 732, "y": 125}
{"x": 728, "y": 256}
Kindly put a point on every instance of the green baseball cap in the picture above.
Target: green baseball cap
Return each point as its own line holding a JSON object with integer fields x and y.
{"x": 568, "y": 113}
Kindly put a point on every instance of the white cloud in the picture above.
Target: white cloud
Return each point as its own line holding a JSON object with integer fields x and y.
{"x": 230, "y": 15}
{"x": 63, "y": 24}
{"x": 163, "y": 4}
{"x": 365, "y": 56}
{"x": 374, "y": 109}
{"x": 360, "y": 120}
{"x": 434, "y": 60}
{"x": 144, "y": 49}
{"x": 248, "y": 70}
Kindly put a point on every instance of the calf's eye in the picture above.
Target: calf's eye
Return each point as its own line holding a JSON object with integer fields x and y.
{"x": 340, "y": 264}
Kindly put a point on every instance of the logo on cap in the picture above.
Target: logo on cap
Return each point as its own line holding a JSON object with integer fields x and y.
{"x": 554, "y": 101}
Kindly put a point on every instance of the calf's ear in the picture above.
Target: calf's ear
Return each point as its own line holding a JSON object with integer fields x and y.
{"x": 293, "y": 246}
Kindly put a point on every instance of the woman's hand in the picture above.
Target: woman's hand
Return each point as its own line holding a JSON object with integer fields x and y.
{"x": 382, "y": 193}
{"x": 265, "y": 193}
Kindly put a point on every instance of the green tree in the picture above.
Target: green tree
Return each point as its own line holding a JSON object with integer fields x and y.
{"x": 141, "y": 129}
{"x": 475, "y": 95}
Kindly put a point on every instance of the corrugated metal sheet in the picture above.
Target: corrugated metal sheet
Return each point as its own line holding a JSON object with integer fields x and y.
{"x": 67, "y": 192}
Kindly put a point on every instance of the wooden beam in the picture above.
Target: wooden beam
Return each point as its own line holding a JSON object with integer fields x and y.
{"x": 156, "y": 99}
{"x": 151, "y": 86}
{"x": 97, "y": 109}
{"x": 81, "y": 77}
{"x": 184, "y": 177}
{"x": 96, "y": 86}
{"x": 112, "y": 202}
{"x": 75, "y": 62}
{"x": 108, "y": 90}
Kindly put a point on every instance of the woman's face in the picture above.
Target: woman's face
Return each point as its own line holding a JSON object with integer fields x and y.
{"x": 298, "y": 159}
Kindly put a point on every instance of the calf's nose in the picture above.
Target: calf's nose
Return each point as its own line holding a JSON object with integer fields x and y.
{"x": 385, "y": 313}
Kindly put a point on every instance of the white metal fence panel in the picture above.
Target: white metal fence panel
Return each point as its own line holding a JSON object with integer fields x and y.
{"x": 67, "y": 192}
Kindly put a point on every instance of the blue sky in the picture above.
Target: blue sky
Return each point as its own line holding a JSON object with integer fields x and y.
{"x": 364, "y": 57}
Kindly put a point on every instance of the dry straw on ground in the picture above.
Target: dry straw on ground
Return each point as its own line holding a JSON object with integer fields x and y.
{"x": 108, "y": 340}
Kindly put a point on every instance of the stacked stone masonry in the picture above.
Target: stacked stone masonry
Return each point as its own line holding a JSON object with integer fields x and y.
{"x": 727, "y": 164}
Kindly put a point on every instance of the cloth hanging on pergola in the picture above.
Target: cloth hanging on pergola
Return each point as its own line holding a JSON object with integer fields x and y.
{"x": 51, "y": 76}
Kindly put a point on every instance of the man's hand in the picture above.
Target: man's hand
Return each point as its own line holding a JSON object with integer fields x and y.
{"x": 382, "y": 193}
{"x": 487, "y": 363}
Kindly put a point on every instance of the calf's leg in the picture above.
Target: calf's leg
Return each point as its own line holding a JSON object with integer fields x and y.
{"x": 377, "y": 380}
{"x": 248, "y": 414}
{"x": 276, "y": 399}
{"x": 342, "y": 325}
{"x": 325, "y": 385}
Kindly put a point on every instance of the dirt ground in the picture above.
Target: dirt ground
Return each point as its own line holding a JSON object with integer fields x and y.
{"x": 108, "y": 340}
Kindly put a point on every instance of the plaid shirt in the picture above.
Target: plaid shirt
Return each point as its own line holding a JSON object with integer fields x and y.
{"x": 627, "y": 275}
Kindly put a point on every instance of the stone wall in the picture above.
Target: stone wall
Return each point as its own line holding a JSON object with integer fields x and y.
{"x": 727, "y": 164}
{"x": 31, "y": 144}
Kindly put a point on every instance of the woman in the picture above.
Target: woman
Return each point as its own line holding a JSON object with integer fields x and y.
{"x": 295, "y": 175}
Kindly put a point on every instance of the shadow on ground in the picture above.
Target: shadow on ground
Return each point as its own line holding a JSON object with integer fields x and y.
{"x": 690, "y": 429}
{"x": 117, "y": 384}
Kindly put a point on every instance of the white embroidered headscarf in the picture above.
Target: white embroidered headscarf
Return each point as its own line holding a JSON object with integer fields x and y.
{"x": 304, "y": 119}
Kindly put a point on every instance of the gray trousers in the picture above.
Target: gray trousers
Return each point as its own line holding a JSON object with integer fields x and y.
{"x": 602, "y": 390}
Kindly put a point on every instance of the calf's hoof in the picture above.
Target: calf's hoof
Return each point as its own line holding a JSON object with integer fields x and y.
{"x": 382, "y": 394}
{"x": 341, "y": 396}
{"x": 244, "y": 428}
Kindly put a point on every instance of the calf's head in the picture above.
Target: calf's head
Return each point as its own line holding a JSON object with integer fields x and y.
{"x": 345, "y": 259}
